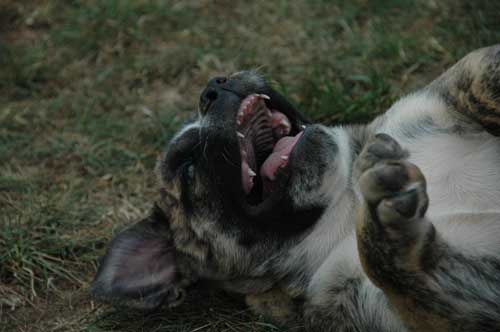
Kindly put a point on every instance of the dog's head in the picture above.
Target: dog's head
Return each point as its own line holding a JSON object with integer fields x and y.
{"x": 238, "y": 185}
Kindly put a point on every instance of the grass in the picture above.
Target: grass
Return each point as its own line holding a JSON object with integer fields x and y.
{"x": 90, "y": 92}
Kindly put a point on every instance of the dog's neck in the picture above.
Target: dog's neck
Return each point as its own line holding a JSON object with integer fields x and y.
{"x": 297, "y": 263}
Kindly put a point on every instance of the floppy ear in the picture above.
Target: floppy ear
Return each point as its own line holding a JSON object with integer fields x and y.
{"x": 138, "y": 269}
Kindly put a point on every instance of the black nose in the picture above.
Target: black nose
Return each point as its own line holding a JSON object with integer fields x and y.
{"x": 210, "y": 94}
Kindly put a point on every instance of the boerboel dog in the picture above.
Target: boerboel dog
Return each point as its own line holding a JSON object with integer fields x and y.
{"x": 389, "y": 226}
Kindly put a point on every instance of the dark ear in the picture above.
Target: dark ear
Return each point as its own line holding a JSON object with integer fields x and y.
{"x": 138, "y": 269}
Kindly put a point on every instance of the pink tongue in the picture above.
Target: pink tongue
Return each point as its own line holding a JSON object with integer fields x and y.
{"x": 282, "y": 149}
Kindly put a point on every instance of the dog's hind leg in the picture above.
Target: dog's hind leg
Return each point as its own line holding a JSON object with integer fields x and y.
{"x": 472, "y": 87}
{"x": 430, "y": 283}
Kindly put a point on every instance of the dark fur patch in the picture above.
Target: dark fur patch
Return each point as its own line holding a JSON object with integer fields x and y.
{"x": 472, "y": 87}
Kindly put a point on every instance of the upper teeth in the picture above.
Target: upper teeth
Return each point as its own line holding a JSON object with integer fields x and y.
{"x": 284, "y": 122}
{"x": 247, "y": 106}
{"x": 251, "y": 172}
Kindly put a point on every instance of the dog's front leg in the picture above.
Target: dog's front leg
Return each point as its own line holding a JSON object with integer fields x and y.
{"x": 431, "y": 285}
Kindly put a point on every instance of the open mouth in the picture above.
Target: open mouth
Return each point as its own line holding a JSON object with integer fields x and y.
{"x": 266, "y": 139}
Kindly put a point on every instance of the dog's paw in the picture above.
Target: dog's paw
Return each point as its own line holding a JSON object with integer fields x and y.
{"x": 393, "y": 188}
{"x": 395, "y": 191}
{"x": 392, "y": 232}
{"x": 380, "y": 148}
{"x": 274, "y": 305}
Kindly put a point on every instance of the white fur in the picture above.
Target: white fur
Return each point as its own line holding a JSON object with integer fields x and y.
{"x": 463, "y": 183}
{"x": 462, "y": 171}
{"x": 335, "y": 224}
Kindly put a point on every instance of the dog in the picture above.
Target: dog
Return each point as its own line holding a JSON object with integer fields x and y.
{"x": 389, "y": 226}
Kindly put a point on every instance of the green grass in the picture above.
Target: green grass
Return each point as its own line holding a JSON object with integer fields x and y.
{"x": 90, "y": 92}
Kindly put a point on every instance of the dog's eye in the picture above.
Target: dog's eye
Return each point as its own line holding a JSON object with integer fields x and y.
{"x": 186, "y": 171}
{"x": 190, "y": 171}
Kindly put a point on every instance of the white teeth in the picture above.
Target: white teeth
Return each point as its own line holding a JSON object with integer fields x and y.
{"x": 247, "y": 107}
{"x": 284, "y": 157}
{"x": 239, "y": 117}
{"x": 251, "y": 172}
{"x": 285, "y": 123}
{"x": 240, "y": 135}
{"x": 303, "y": 127}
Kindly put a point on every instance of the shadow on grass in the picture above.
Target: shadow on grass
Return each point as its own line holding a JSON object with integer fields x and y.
{"x": 203, "y": 310}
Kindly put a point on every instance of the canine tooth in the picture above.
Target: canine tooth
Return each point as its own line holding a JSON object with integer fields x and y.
{"x": 284, "y": 122}
{"x": 251, "y": 172}
{"x": 240, "y": 116}
{"x": 303, "y": 127}
{"x": 263, "y": 96}
{"x": 240, "y": 135}
{"x": 284, "y": 158}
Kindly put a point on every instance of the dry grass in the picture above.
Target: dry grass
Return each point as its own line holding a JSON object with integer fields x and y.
{"x": 90, "y": 92}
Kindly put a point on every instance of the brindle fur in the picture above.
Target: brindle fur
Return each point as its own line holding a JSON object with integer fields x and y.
{"x": 472, "y": 87}
{"x": 400, "y": 230}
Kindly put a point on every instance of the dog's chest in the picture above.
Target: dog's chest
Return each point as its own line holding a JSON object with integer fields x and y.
{"x": 462, "y": 172}
{"x": 459, "y": 161}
